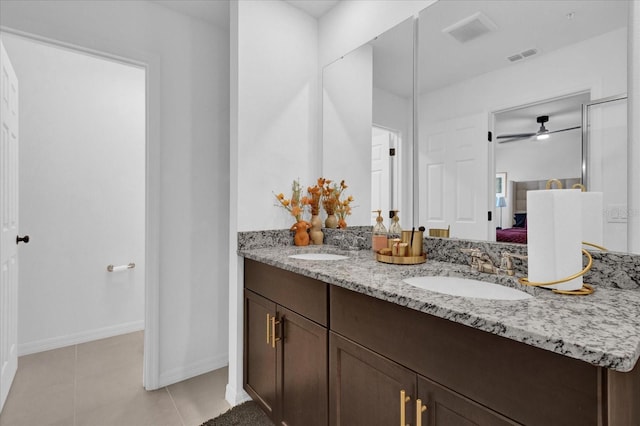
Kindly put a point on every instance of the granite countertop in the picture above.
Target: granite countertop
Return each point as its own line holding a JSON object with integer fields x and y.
{"x": 602, "y": 328}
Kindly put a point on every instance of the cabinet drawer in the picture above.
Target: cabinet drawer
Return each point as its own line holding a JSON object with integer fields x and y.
{"x": 303, "y": 295}
{"x": 527, "y": 384}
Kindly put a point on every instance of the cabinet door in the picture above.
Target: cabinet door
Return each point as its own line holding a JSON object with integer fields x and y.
{"x": 259, "y": 353}
{"x": 302, "y": 371}
{"x": 447, "y": 408}
{"x": 365, "y": 388}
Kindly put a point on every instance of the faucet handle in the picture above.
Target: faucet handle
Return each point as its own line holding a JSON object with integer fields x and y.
{"x": 506, "y": 262}
{"x": 514, "y": 256}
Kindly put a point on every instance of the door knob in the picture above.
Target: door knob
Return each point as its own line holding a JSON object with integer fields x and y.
{"x": 24, "y": 239}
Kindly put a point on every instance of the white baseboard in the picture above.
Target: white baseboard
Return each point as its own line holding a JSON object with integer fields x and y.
{"x": 188, "y": 371}
{"x": 234, "y": 397}
{"x": 76, "y": 338}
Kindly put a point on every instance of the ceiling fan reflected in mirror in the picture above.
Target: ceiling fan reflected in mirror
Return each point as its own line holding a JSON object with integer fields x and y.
{"x": 542, "y": 133}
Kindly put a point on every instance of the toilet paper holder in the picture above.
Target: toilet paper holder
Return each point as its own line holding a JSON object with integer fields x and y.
{"x": 586, "y": 288}
{"x": 112, "y": 268}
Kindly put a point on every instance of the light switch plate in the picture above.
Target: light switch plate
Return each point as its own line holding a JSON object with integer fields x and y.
{"x": 616, "y": 213}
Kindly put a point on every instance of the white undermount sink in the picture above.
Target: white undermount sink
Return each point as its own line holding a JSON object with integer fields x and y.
{"x": 457, "y": 286}
{"x": 318, "y": 256}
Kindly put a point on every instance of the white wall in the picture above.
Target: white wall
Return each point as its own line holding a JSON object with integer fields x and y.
{"x": 82, "y": 156}
{"x": 188, "y": 168}
{"x": 559, "y": 156}
{"x": 633, "y": 129}
{"x": 274, "y": 116}
{"x": 277, "y": 109}
{"x": 347, "y": 108}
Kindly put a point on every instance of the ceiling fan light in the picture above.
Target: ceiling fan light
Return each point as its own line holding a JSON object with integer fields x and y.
{"x": 542, "y": 137}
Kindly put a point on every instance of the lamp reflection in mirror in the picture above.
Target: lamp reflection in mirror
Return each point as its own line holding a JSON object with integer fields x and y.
{"x": 500, "y": 202}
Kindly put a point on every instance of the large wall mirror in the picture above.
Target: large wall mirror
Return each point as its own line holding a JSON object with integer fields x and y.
{"x": 515, "y": 68}
{"x": 367, "y": 112}
{"x": 483, "y": 66}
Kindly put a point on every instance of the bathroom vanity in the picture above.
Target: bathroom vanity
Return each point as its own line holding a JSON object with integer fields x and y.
{"x": 347, "y": 342}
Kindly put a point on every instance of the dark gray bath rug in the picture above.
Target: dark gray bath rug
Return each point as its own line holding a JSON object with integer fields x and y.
{"x": 246, "y": 414}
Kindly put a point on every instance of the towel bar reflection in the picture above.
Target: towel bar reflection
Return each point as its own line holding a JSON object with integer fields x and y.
{"x": 112, "y": 268}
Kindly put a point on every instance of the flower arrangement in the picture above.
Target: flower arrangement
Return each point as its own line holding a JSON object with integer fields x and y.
{"x": 329, "y": 195}
{"x": 326, "y": 193}
{"x": 343, "y": 210}
{"x": 332, "y": 202}
{"x": 295, "y": 205}
{"x": 315, "y": 193}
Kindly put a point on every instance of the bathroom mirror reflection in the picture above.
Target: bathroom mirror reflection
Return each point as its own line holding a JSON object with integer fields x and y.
{"x": 367, "y": 113}
{"x": 498, "y": 66}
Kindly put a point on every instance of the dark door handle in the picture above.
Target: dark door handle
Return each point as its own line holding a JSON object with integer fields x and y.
{"x": 24, "y": 239}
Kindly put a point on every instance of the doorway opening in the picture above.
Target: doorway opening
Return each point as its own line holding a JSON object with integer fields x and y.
{"x": 83, "y": 173}
{"x": 384, "y": 170}
{"x": 534, "y": 143}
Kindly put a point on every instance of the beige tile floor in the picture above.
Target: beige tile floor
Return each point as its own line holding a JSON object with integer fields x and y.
{"x": 99, "y": 383}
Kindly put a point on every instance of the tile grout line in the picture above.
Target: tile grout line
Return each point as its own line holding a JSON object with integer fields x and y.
{"x": 175, "y": 406}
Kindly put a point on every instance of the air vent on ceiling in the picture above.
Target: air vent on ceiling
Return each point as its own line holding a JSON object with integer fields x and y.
{"x": 522, "y": 55}
{"x": 470, "y": 28}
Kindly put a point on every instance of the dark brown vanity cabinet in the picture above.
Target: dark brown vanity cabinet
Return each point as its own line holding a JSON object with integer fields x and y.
{"x": 368, "y": 389}
{"x": 365, "y": 388}
{"x": 285, "y": 356}
{"x": 317, "y": 354}
{"x": 440, "y": 406}
{"x": 462, "y": 375}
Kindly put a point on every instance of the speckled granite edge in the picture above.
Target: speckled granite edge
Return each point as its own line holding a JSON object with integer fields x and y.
{"x": 610, "y": 269}
{"x": 602, "y": 329}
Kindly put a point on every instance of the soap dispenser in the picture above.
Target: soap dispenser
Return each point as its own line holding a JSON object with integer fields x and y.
{"x": 395, "y": 227}
{"x": 379, "y": 238}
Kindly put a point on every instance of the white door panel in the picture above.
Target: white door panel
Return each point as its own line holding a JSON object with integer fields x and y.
{"x": 8, "y": 226}
{"x": 380, "y": 194}
{"x": 453, "y": 178}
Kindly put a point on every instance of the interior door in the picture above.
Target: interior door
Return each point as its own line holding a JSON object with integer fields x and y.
{"x": 380, "y": 187}
{"x": 8, "y": 227}
{"x": 453, "y": 178}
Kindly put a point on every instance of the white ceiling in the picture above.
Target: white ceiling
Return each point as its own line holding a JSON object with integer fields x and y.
{"x": 563, "y": 113}
{"x": 215, "y": 12}
{"x": 521, "y": 25}
{"x": 315, "y": 8}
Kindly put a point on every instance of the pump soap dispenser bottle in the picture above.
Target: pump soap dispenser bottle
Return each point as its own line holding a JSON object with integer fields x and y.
{"x": 379, "y": 239}
{"x": 395, "y": 227}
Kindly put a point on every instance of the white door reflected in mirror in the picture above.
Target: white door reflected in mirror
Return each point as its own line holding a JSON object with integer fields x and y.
{"x": 384, "y": 191}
